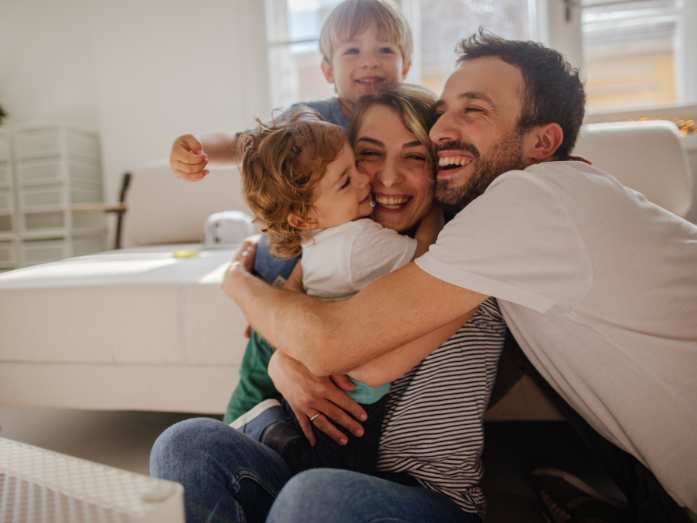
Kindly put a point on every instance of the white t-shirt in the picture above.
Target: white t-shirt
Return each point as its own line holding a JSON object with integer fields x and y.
{"x": 599, "y": 288}
{"x": 340, "y": 261}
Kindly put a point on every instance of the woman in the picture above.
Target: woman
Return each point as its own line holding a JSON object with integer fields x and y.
{"x": 432, "y": 432}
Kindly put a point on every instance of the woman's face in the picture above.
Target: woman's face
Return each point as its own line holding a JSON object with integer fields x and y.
{"x": 396, "y": 162}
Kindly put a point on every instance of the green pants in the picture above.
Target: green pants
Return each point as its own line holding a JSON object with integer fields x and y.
{"x": 255, "y": 384}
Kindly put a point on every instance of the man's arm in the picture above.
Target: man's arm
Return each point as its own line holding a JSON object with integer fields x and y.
{"x": 396, "y": 363}
{"x": 336, "y": 337}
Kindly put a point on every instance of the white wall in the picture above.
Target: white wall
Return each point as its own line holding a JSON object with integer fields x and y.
{"x": 46, "y": 62}
{"x": 141, "y": 72}
{"x": 168, "y": 67}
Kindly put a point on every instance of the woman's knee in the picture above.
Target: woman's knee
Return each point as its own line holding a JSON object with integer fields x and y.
{"x": 178, "y": 445}
{"x": 316, "y": 495}
{"x": 321, "y": 495}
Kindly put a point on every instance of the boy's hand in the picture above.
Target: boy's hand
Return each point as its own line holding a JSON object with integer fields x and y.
{"x": 309, "y": 395}
{"x": 187, "y": 160}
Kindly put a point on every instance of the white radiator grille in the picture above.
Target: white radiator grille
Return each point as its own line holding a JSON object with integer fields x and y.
{"x": 37, "y": 485}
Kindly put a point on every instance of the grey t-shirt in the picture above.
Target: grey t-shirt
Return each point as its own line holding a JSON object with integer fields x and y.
{"x": 328, "y": 109}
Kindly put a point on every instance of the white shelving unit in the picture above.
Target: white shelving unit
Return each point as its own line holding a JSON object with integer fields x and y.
{"x": 44, "y": 170}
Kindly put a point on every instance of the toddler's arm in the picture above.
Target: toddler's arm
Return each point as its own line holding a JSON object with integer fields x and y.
{"x": 191, "y": 155}
{"x": 428, "y": 230}
{"x": 401, "y": 360}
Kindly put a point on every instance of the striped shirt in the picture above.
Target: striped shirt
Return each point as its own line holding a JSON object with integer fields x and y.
{"x": 433, "y": 426}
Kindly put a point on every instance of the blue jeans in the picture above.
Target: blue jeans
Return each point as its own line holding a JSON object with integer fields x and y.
{"x": 229, "y": 477}
{"x": 342, "y": 496}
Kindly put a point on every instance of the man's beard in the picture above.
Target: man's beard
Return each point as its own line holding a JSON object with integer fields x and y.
{"x": 504, "y": 156}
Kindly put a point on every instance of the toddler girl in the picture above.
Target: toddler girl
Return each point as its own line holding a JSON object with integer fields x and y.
{"x": 299, "y": 179}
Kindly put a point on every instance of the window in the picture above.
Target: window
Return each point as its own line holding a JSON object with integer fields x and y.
{"x": 438, "y": 26}
{"x": 637, "y": 53}
{"x": 631, "y": 52}
{"x": 293, "y": 28}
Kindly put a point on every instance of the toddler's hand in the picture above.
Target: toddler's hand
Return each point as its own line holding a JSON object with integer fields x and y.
{"x": 579, "y": 159}
{"x": 187, "y": 160}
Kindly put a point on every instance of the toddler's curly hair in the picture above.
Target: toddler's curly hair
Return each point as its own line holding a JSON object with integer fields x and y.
{"x": 283, "y": 163}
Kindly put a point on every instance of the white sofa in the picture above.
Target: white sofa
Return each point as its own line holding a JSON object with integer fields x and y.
{"x": 135, "y": 328}
{"x": 140, "y": 329}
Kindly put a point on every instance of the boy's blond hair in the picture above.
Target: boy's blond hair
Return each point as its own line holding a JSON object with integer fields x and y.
{"x": 282, "y": 166}
{"x": 353, "y": 17}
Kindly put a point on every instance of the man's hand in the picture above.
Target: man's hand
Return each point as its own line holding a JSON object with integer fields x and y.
{"x": 242, "y": 264}
{"x": 187, "y": 159}
{"x": 309, "y": 395}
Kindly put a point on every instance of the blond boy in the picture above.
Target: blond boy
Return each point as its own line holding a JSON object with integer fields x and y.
{"x": 364, "y": 44}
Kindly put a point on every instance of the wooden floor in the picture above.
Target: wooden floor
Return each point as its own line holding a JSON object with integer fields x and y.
{"x": 124, "y": 439}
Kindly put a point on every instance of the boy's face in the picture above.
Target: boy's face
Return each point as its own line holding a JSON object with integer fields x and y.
{"x": 344, "y": 193}
{"x": 359, "y": 66}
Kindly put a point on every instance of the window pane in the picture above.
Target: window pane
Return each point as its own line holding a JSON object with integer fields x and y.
{"x": 444, "y": 23}
{"x": 630, "y": 52}
{"x": 294, "y": 68}
{"x": 296, "y": 75}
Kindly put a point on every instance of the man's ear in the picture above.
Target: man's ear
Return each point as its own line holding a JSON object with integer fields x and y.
{"x": 405, "y": 70}
{"x": 306, "y": 224}
{"x": 328, "y": 70}
{"x": 542, "y": 142}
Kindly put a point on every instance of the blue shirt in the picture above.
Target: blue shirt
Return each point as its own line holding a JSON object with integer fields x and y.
{"x": 328, "y": 109}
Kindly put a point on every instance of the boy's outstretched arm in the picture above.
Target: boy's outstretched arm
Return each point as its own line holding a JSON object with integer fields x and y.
{"x": 191, "y": 155}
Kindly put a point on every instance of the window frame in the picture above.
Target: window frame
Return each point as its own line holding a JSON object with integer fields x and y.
{"x": 557, "y": 24}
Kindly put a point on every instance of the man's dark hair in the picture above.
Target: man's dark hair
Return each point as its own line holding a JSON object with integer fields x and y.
{"x": 553, "y": 91}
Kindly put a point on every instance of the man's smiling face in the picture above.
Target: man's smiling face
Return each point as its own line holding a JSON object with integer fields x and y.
{"x": 476, "y": 137}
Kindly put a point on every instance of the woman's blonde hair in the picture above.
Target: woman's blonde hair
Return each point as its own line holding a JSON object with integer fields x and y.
{"x": 282, "y": 166}
{"x": 414, "y": 105}
{"x": 353, "y": 17}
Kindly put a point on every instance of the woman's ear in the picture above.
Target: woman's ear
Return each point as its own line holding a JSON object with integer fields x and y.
{"x": 306, "y": 224}
{"x": 542, "y": 142}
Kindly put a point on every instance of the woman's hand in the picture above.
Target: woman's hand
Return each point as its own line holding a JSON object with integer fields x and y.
{"x": 309, "y": 395}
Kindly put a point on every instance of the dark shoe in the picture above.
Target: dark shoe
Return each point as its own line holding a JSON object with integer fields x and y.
{"x": 255, "y": 422}
{"x": 567, "y": 499}
{"x": 281, "y": 437}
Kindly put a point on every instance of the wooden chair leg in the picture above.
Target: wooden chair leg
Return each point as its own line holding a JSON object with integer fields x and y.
{"x": 125, "y": 182}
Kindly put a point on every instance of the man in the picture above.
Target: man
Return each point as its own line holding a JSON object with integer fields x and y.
{"x": 597, "y": 285}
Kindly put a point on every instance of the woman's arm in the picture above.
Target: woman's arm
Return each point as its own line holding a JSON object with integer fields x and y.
{"x": 401, "y": 360}
{"x": 428, "y": 230}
